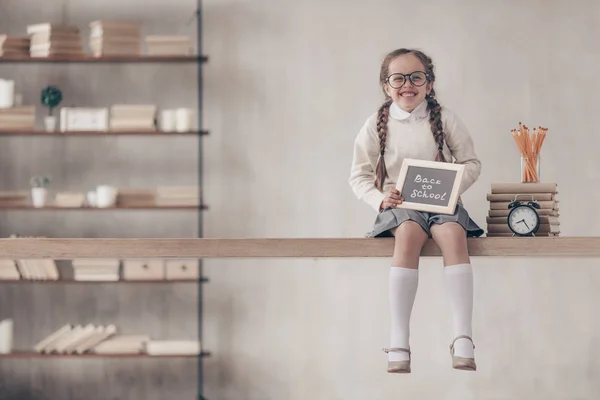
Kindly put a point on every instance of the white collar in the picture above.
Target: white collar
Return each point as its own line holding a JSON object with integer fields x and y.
{"x": 419, "y": 112}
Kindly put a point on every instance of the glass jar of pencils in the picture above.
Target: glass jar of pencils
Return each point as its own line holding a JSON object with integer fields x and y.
{"x": 530, "y": 169}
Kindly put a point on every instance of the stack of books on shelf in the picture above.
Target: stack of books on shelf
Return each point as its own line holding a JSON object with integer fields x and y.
{"x": 54, "y": 40}
{"x": 101, "y": 339}
{"x": 38, "y": 270}
{"x": 174, "y": 347}
{"x": 177, "y": 196}
{"x": 91, "y": 269}
{"x": 168, "y": 45}
{"x": 9, "y": 270}
{"x": 14, "y": 46}
{"x": 129, "y": 117}
{"x": 115, "y": 38}
{"x": 75, "y": 339}
{"x": 122, "y": 344}
{"x": 17, "y": 118}
{"x": 502, "y": 194}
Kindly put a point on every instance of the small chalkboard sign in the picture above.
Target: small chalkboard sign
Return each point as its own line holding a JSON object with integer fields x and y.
{"x": 430, "y": 186}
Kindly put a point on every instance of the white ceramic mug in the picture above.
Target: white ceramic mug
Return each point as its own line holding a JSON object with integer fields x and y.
{"x": 167, "y": 121}
{"x": 183, "y": 119}
{"x": 106, "y": 196}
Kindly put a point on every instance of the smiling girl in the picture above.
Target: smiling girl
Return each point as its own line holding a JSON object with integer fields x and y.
{"x": 412, "y": 124}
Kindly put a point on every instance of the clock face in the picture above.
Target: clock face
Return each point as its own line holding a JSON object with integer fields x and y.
{"x": 523, "y": 220}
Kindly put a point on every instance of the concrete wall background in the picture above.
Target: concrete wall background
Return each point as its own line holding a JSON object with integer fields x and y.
{"x": 287, "y": 88}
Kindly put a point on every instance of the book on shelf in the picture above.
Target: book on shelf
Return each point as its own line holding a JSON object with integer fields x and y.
{"x": 115, "y": 38}
{"x": 47, "y": 39}
{"x": 502, "y": 194}
{"x": 17, "y": 118}
{"x": 168, "y": 45}
{"x": 106, "y": 339}
{"x": 14, "y": 46}
{"x": 96, "y": 269}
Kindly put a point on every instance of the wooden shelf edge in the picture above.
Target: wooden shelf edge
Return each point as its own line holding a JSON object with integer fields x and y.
{"x": 118, "y": 208}
{"x": 69, "y": 248}
{"x": 17, "y": 132}
{"x": 31, "y": 354}
{"x": 107, "y": 59}
{"x": 119, "y": 282}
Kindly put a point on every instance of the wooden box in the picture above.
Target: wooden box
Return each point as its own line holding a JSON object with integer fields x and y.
{"x": 182, "y": 269}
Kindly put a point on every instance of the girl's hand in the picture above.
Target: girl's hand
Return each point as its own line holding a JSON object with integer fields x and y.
{"x": 391, "y": 199}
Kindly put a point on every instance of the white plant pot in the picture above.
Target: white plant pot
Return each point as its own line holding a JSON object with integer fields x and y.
{"x": 39, "y": 196}
{"x": 50, "y": 123}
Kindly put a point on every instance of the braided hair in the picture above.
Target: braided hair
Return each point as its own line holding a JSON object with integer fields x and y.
{"x": 435, "y": 114}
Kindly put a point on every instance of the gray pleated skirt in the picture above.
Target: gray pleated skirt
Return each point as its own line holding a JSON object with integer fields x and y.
{"x": 390, "y": 218}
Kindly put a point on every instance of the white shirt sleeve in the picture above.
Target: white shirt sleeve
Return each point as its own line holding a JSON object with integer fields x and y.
{"x": 462, "y": 148}
{"x": 364, "y": 162}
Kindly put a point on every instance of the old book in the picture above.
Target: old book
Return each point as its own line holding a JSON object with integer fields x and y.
{"x": 498, "y": 188}
{"x": 544, "y": 219}
{"x": 541, "y": 211}
{"x": 41, "y": 346}
{"x": 503, "y": 205}
{"x": 521, "y": 196}
{"x": 517, "y": 237}
{"x": 501, "y": 228}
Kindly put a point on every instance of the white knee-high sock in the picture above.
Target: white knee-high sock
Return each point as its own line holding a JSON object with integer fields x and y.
{"x": 459, "y": 288}
{"x": 403, "y": 284}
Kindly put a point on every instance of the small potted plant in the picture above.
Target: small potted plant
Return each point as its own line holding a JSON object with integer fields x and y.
{"x": 51, "y": 98}
{"x": 39, "y": 190}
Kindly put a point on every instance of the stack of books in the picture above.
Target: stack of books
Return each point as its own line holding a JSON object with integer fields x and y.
{"x": 91, "y": 269}
{"x": 122, "y": 344}
{"x": 162, "y": 45}
{"x": 115, "y": 38}
{"x": 126, "y": 117}
{"x": 38, "y": 269}
{"x": 75, "y": 339}
{"x": 9, "y": 270}
{"x": 502, "y": 194}
{"x": 173, "y": 347}
{"x": 14, "y": 46}
{"x": 54, "y": 40}
{"x": 21, "y": 118}
{"x": 177, "y": 196}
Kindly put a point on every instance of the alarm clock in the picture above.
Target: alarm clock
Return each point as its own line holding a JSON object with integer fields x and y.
{"x": 523, "y": 218}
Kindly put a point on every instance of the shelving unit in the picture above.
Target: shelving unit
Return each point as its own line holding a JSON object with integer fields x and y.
{"x": 107, "y": 59}
{"x": 119, "y": 282}
{"x": 29, "y": 354}
{"x": 100, "y": 133}
{"x": 198, "y": 59}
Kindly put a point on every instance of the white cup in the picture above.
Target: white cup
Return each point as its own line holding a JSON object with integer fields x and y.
{"x": 91, "y": 198}
{"x": 183, "y": 120}
{"x": 167, "y": 121}
{"x": 6, "y": 336}
{"x": 106, "y": 196}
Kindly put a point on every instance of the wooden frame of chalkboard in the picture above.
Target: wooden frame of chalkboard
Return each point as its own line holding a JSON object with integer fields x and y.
{"x": 430, "y": 186}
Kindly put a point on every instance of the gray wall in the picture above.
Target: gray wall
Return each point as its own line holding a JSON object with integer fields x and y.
{"x": 289, "y": 85}
{"x": 76, "y": 163}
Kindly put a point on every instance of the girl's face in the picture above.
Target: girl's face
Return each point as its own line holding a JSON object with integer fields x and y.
{"x": 407, "y": 93}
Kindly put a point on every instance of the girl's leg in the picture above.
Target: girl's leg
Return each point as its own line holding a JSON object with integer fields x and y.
{"x": 403, "y": 282}
{"x": 458, "y": 276}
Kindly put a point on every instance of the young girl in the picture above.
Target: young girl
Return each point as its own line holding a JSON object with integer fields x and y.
{"x": 412, "y": 124}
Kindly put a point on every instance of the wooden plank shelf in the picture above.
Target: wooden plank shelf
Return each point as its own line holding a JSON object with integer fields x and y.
{"x": 119, "y": 282}
{"x": 106, "y": 59}
{"x": 98, "y": 133}
{"x": 32, "y": 354}
{"x": 28, "y": 207}
{"x": 66, "y": 249}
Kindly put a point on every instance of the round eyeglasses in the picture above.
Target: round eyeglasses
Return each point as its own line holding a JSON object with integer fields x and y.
{"x": 417, "y": 78}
